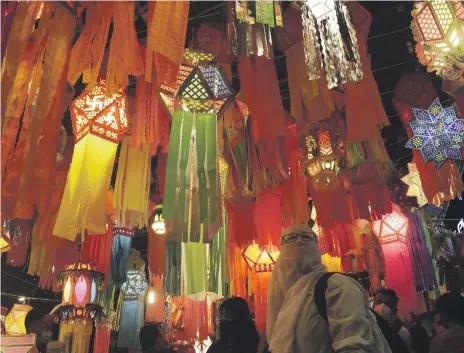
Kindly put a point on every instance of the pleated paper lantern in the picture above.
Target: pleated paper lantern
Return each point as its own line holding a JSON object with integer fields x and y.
{"x": 392, "y": 228}
{"x": 80, "y": 282}
{"x": 15, "y": 320}
{"x": 438, "y": 28}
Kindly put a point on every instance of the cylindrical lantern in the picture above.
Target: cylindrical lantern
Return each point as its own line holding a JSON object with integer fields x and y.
{"x": 158, "y": 225}
{"x": 80, "y": 282}
{"x": 438, "y": 28}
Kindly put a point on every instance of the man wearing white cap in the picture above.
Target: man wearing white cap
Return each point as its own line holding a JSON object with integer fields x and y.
{"x": 294, "y": 322}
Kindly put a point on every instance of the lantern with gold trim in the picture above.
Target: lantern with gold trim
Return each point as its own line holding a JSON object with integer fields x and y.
{"x": 200, "y": 87}
{"x": 80, "y": 282}
{"x": 259, "y": 260}
{"x": 438, "y": 28}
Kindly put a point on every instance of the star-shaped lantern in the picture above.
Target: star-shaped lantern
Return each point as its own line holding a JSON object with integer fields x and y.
{"x": 201, "y": 86}
{"x": 98, "y": 114}
{"x": 437, "y": 133}
{"x": 412, "y": 180}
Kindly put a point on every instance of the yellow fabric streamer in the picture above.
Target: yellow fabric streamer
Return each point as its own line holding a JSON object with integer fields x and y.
{"x": 77, "y": 334}
{"x": 132, "y": 186}
{"x": 84, "y": 201}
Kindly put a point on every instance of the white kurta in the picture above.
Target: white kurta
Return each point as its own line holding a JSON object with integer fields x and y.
{"x": 351, "y": 328}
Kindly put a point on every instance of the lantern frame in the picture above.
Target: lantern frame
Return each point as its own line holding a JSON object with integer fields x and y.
{"x": 17, "y": 316}
{"x": 394, "y": 232}
{"x": 198, "y": 75}
{"x": 109, "y": 122}
{"x": 259, "y": 260}
{"x": 438, "y": 28}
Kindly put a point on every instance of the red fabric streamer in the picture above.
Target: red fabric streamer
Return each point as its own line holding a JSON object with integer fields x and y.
{"x": 195, "y": 319}
{"x": 97, "y": 249}
{"x": 240, "y": 227}
{"x": 336, "y": 241}
{"x": 156, "y": 252}
{"x": 154, "y": 310}
{"x": 101, "y": 342}
{"x": 260, "y": 285}
{"x": 267, "y": 218}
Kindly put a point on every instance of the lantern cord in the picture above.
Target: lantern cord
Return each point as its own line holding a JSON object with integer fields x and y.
{"x": 388, "y": 33}
{"x": 30, "y": 298}
{"x": 22, "y": 280}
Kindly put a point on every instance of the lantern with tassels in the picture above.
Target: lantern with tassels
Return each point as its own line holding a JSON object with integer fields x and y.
{"x": 322, "y": 155}
{"x": 438, "y": 28}
{"x": 15, "y": 320}
{"x": 80, "y": 282}
{"x": 261, "y": 263}
{"x": 158, "y": 225}
{"x": 392, "y": 228}
{"x": 200, "y": 86}
{"x": 99, "y": 121}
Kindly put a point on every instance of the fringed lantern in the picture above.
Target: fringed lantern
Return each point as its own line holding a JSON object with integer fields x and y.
{"x": 158, "y": 225}
{"x": 392, "y": 228}
{"x": 412, "y": 180}
{"x": 438, "y": 28}
{"x": 328, "y": 22}
{"x": 200, "y": 87}
{"x": 261, "y": 263}
{"x": 98, "y": 122}
{"x": 80, "y": 282}
{"x": 437, "y": 133}
{"x": 322, "y": 155}
{"x": 15, "y": 320}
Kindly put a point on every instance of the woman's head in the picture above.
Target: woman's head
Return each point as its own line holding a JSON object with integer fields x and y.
{"x": 235, "y": 309}
{"x": 449, "y": 309}
{"x": 151, "y": 336}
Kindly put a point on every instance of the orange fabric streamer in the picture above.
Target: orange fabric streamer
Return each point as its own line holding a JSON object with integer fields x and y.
{"x": 154, "y": 309}
{"x": 238, "y": 271}
{"x": 97, "y": 249}
{"x": 195, "y": 319}
{"x": 156, "y": 252}
{"x": 240, "y": 227}
{"x": 260, "y": 285}
{"x": 167, "y": 29}
{"x": 267, "y": 219}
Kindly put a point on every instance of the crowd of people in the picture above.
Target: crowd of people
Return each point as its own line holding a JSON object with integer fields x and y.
{"x": 313, "y": 311}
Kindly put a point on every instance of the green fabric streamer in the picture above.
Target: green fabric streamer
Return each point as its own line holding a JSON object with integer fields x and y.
{"x": 217, "y": 260}
{"x": 173, "y": 268}
{"x": 196, "y": 267}
{"x": 428, "y": 241}
{"x": 186, "y": 138}
{"x": 355, "y": 154}
{"x": 265, "y": 13}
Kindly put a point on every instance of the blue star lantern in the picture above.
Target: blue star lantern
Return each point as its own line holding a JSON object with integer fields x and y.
{"x": 437, "y": 133}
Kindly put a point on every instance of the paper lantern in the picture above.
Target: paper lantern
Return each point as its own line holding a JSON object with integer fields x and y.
{"x": 158, "y": 225}
{"x": 392, "y": 228}
{"x": 259, "y": 260}
{"x": 80, "y": 282}
{"x": 135, "y": 286}
{"x": 322, "y": 155}
{"x": 327, "y": 22}
{"x": 95, "y": 113}
{"x": 15, "y": 320}
{"x": 200, "y": 87}
{"x": 438, "y": 28}
{"x": 412, "y": 180}
{"x": 437, "y": 133}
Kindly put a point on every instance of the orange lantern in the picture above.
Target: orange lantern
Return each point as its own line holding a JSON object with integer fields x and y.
{"x": 81, "y": 282}
{"x": 392, "y": 228}
{"x": 259, "y": 260}
{"x": 95, "y": 113}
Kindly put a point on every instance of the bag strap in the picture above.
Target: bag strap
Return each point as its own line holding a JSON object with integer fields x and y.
{"x": 319, "y": 294}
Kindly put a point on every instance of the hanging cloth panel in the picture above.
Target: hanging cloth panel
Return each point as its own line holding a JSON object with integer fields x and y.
{"x": 84, "y": 200}
{"x": 173, "y": 268}
{"x": 218, "y": 260}
{"x": 156, "y": 252}
{"x": 101, "y": 343}
{"x": 194, "y": 276}
{"x": 119, "y": 258}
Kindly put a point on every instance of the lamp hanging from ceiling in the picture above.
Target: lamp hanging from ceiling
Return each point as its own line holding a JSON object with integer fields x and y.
{"x": 392, "y": 228}
{"x": 330, "y": 44}
{"x": 438, "y": 28}
{"x": 158, "y": 225}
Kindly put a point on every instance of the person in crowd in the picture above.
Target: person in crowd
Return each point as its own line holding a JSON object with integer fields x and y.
{"x": 237, "y": 330}
{"x": 152, "y": 339}
{"x": 419, "y": 335}
{"x": 449, "y": 324}
{"x": 295, "y": 322}
{"x": 386, "y": 305}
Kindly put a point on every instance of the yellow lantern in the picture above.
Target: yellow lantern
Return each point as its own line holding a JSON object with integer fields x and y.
{"x": 81, "y": 282}
{"x": 438, "y": 28}
{"x": 259, "y": 260}
{"x": 158, "y": 225}
{"x": 15, "y": 320}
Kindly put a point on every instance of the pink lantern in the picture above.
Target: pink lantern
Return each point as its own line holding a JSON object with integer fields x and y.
{"x": 392, "y": 228}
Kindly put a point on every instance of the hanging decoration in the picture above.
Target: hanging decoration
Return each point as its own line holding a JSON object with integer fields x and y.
{"x": 122, "y": 240}
{"x": 328, "y": 22}
{"x": 155, "y": 304}
{"x": 392, "y": 228}
{"x": 101, "y": 343}
{"x": 438, "y": 28}
{"x": 158, "y": 225}
{"x": 75, "y": 335}
{"x": 80, "y": 282}
{"x": 15, "y": 320}
{"x": 98, "y": 123}
{"x": 412, "y": 180}
{"x": 437, "y": 133}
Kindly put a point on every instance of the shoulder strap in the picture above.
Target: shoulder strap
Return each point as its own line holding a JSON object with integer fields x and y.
{"x": 319, "y": 294}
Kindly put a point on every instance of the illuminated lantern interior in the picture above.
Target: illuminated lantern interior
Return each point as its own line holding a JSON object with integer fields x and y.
{"x": 200, "y": 87}
{"x": 438, "y": 28}
{"x": 412, "y": 179}
{"x": 95, "y": 113}
{"x": 392, "y": 228}
{"x": 260, "y": 260}
{"x": 15, "y": 320}
{"x": 158, "y": 225}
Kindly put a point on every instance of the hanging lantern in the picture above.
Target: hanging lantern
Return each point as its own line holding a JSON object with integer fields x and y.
{"x": 437, "y": 133}
{"x": 322, "y": 155}
{"x": 412, "y": 180}
{"x": 80, "y": 282}
{"x": 158, "y": 225}
{"x": 200, "y": 86}
{"x": 15, "y": 320}
{"x": 328, "y": 22}
{"x": 259, "y": 260}
{"x": 438, "y": 28}
{"x": 392, "y": 228}
{"x": 135, "y": 286}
